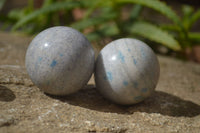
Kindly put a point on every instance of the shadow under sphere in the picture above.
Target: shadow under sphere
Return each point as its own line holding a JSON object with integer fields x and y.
{"x": 159, "y": 102}
{"x": 6, "y": 95}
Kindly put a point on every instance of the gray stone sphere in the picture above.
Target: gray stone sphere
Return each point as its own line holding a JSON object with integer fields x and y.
{"x": 126, "y": 71}
{"x": 60, "y": 60}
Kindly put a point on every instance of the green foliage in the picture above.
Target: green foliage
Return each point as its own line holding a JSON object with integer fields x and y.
{"x": 185, "y": 37}
{"x": 156, "y": 34}
{"x": 107, "y": 30}
{"x": 46, "y": 9}
{"x": 194, "y": 17}
{"x": 194, "y": 36}
{"x": 17, "y": 14}
{"x": 94, "y": 21}
{"x": 2, "y": 2}
{"x": 135, "y": 12}
{"x": 103, "y": 19}
{"x": 158, "y": 6}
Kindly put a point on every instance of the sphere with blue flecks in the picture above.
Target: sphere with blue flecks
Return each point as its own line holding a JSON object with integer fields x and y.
{"x": 60, "y": 60}
{"x": 126, "y": 71}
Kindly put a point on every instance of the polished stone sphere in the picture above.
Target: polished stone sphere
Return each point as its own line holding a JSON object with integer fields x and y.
{"x": 126, "y": 71}
{"x": 60, "y": 60}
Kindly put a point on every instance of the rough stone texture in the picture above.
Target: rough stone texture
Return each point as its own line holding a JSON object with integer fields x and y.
{"x": 174, "y": 107}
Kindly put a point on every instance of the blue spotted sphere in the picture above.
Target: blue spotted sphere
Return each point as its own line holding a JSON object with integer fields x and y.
{"x": 126, "y": 71}
{"x": 60, "y": 60}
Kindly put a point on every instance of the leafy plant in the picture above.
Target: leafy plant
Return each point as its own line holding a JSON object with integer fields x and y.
{"x": 2, "y": 2}
{"x": 154, "y": 33}
{"x": 185, "y": 36}
{"x": 103, "y": 19}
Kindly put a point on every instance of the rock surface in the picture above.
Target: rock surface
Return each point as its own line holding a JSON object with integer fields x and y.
{"x": 174, "y": 107}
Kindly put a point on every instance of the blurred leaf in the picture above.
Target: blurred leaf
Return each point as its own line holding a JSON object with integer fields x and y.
{"x": 158, "y": 6}
{"x": 91, "y": 8}
{"x": 47, "y": 9}
{"x": 2, "y": 2}
{"x": 106, "y": 30}
{"x": 84, "y": 23}
{"x": 16, "y": 14}
{"x": 94, "y": 36}
{"x": 187, "y": 10}
{"x": 194, "y": 36}
{"x": 135, "y": 12}
{"x": 194, "y": 17}
{"x": 47, "y": 3}
{"x": 109, "y": 30}
{"x": 154, "y": 33}
{"x": 88, "y": 3}
{"x": 187, "y": 13}
{"x": 170, "y": 27}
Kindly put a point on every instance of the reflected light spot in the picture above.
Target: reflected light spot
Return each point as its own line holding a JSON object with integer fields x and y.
{"x": 113, "y": 58}
{"x": 46, "y": 44}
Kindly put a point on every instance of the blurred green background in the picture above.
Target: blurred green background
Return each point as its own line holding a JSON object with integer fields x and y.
{"x": 169, "y": 27}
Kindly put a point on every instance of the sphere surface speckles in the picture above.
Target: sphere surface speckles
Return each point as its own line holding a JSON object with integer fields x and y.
{"x": 60, "y": 60}
{"x": 126, "y": 71}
